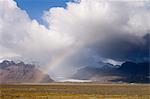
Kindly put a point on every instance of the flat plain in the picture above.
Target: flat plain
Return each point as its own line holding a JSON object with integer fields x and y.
{"x": 75, "y": 91}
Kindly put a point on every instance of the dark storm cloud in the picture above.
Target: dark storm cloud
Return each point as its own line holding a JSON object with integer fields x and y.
{"x": 125, "y": 48}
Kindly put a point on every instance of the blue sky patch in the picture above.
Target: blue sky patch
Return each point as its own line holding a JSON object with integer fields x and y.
{"x": 35, "y": 8}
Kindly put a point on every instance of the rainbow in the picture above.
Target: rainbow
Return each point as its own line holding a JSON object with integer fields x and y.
{"x": 58, "y": 58}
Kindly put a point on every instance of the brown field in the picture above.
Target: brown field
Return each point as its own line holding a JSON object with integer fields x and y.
{"x": 75, "y": 91}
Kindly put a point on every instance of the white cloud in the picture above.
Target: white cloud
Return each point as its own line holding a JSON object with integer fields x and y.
{"x": 95, "y": 19}
{"x": 26, "y": 37}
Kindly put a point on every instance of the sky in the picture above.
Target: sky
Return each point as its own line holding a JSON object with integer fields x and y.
{"x": 62, "y": 37}
{"x": 35, "y": 8}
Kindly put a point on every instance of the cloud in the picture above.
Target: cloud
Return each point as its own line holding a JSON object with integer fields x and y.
{"x": 25, "y": 37}
{"x": 110, "y": 30}
{"x": 125, "y": 48}
{"x": 87, "y": 32}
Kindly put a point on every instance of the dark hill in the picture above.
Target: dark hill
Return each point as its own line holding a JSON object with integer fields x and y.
{"x": 129, "y": 72}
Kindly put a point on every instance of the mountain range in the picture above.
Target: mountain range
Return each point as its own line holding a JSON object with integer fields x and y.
{"x": 128, "y": 72}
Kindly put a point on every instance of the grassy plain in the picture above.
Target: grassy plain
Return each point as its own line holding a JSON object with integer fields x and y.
{"x": 74, "y": 91}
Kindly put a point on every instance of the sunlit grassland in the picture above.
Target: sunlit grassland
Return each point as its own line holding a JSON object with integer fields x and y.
{"x": 75, "y": 91}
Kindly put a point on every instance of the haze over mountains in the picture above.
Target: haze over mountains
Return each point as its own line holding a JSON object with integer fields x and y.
{"x": 11, "y": 72}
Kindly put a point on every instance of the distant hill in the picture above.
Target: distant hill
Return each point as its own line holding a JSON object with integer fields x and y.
{"x": 128, "y": 72}
{"x": 11, "y": 72}
{"x": 133, "y": 72}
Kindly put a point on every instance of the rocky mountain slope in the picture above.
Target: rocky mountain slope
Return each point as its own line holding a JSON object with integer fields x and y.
{"x": 11, "y": 72}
